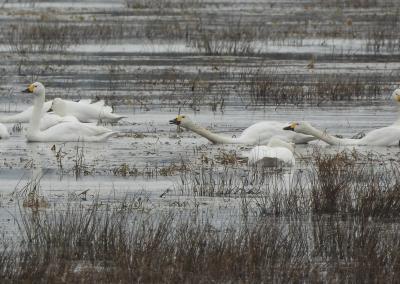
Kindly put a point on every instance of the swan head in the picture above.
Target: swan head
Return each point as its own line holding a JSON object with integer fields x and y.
{"x": 36, "y": 88}
{"x": 299, "y": 127}
{"x": 396, "y": 95}
{"x": 181, "y": 120}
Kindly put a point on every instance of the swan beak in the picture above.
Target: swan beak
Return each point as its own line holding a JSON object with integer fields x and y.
{"x": 29, "y": 89}
{"x": 175, "y": 121}
{"x": 290, "y": 127}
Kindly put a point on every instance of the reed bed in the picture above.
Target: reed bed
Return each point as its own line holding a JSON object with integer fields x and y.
{"x": 83, "y": 244}
{"x": 345, "y": 183}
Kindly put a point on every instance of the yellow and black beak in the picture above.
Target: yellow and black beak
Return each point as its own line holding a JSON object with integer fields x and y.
{"x": 290, "y": 127}
{"x": 29, "y": 89}
{"x": 176, "y": 121}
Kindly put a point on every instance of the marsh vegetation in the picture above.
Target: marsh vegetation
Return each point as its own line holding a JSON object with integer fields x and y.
{"x": 157, "y": 204}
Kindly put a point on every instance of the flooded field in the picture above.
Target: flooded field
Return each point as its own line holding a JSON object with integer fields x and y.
{"x": 155, "y": 203}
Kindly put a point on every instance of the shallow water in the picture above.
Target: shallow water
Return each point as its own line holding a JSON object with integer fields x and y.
{"x": 148, "y": 143}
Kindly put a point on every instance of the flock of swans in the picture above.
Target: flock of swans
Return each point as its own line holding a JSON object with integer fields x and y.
{"x": 67, "y": 121}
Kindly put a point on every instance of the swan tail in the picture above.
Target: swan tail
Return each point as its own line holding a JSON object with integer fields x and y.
{"x": 112, "y": 117}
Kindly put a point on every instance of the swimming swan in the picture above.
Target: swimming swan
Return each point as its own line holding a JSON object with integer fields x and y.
{"x": 85, "y": 112}
{"x": 61, "y": 132}
{"x": 385, "y": 136}
{"x": 259, "y": 133}
{"x": 276, "y": 153}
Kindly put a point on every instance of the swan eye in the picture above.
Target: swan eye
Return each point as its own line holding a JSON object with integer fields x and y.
{"x": 183, "y": 116}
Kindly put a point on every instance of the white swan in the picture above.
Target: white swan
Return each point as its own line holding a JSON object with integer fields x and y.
{"x": 276, "y": 153}
{"x": 62, "y": 132}
{"x": 24, "y": 116}
{"x": 385, "y": 136}
{"x": 85, "y": 112}
{"x": 259, "y": 133}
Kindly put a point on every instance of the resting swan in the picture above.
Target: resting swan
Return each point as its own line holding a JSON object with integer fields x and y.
{"x": 46, "y": 122}
{"x": 85, "y": 112}
{"x": 256, "y": 134}
{"x": 62, "y": 132}
{"x": 276, "y": 153}
{"x": 385, "y": 136}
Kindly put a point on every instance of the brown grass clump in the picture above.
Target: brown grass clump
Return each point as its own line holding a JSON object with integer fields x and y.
{"x": 115, "y": 245}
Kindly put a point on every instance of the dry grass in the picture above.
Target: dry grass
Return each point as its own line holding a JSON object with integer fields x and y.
{"x": 345, "y": 183}
{"x": 52, "y": 37}
{"x": 117, "y": 245}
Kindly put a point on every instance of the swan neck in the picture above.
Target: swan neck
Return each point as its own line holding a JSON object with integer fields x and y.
{"x": 324, "y": 136}
{"x": 214, "y": 138}
{"x": 34, "y": 124}
{"x": 398, "y": 114}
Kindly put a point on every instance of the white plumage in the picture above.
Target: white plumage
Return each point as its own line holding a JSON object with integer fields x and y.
{"x": 385, "y": 136}
{"x": 256, "y": 134}
{"x": 4, "y": 134}
{"x": 63, "y": 131}
{"x": 276, "y": 153}
{"x": 89, "y": 112}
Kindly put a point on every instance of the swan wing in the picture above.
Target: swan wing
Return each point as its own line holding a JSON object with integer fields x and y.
{"x": 86, "y": 112}
{"x": 50, "y": 119}
{"x": 262, "y": 132}
{"x": 385, "y": 136}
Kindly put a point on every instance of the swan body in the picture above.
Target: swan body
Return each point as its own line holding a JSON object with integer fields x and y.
{"x": 4, "y": 134}
{"x": 50, "y": 119}
{"x": 396, "y": 98}
{"x": 24, "y": 116}
{"x": 385, "y": 136}
{"x": 64, "y": 131}
{"x": 256, "y": 134}
{"x": 88, "y": 112}
{"x": 276, "y": 153}
{"x": 71, "y": 132}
